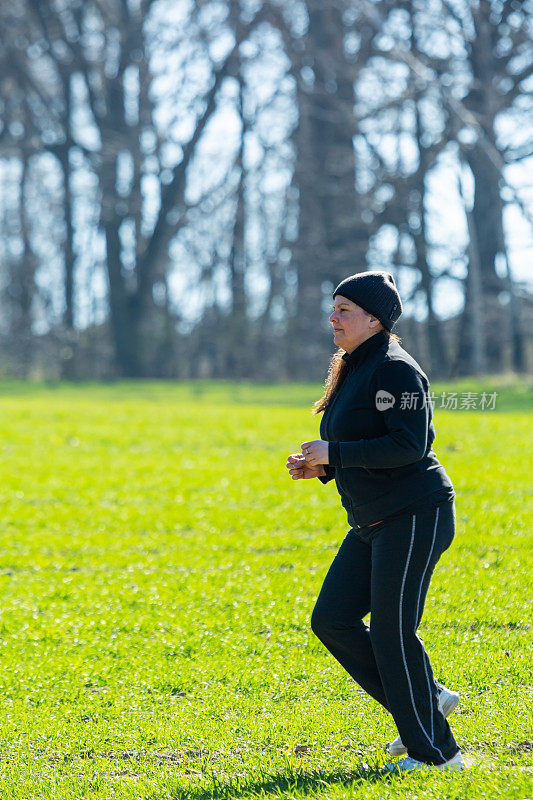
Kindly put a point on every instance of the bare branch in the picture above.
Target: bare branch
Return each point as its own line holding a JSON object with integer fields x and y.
{"x": 512, "y": 155}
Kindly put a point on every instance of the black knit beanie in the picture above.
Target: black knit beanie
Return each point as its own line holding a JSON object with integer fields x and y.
{"x": 375, "y": 292}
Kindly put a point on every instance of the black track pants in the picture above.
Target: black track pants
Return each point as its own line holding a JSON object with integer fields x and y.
{"x": 388, "y": 575}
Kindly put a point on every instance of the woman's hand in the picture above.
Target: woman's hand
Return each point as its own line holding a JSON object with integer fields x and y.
{"x": 299, "y": 468}
{"x": 316, "y": 452}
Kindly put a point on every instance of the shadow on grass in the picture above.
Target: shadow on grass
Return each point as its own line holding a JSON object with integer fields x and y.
{"x": 281, "y": 784}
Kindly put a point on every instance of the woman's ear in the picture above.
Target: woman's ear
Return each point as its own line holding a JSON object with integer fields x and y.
{"x": 374, "y": 323}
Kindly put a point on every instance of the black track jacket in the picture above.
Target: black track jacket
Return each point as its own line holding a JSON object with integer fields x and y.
{"x": 380, "y": 431}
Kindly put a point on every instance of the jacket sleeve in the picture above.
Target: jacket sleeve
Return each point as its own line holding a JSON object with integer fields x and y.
{"x": 330, "y": 473}
{"x": 405, "y": 413}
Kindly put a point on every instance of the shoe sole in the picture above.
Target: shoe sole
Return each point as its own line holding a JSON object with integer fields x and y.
{"x": 396, "y": 751}
{"x": 455, "y": 763}
{"x": 450, "y": 704}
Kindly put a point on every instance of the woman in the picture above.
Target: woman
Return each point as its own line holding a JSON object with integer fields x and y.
{"x": 376, "y": 436}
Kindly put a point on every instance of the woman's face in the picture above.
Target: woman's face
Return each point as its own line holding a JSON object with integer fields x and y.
{"x": 351, "y": 324}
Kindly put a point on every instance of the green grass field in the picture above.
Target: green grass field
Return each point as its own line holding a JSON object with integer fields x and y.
{"x": 158, "y": 569}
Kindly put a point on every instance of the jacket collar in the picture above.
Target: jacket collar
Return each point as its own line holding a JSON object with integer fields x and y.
{"x": 371, "y": 344}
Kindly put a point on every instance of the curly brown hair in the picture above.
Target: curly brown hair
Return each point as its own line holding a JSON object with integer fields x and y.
{"x": 336, "y": 374}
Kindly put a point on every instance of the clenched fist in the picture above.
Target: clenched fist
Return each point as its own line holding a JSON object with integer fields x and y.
{"x": 299, "y": 468}
{"x": 316, "y": 452}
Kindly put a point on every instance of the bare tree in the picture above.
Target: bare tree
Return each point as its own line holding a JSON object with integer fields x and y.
{"x": 498, "y": 62}
{"x": 342, "y": 114}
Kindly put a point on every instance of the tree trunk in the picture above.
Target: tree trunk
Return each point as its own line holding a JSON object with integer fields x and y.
{"x": 125, "y": 313}
{"x": 487, "y": 211}
{"x": 125, "y": 309}
{"x": 516, "y": 333}
{"x": 67, "y": 208}
{"x": 332, "y": 242}
{"x": 22, "y": 285}
{"x": 437, "y": 351}
{"x": 487, "y": 226}
{"x": 472, "y": 344}
{"x": 305, "y": 344}
{"x": 235, "y": 341}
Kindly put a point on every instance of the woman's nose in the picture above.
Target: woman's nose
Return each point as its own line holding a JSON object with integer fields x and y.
{"x": 332, "y": 317}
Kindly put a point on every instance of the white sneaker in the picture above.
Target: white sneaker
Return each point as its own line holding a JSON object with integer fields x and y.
{"x": 447, "y": 702}
{"x": 408, "y": 764}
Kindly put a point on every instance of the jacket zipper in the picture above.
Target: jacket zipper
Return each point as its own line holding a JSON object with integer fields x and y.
{"x": 344, "y": 492}
{"x": 331, "y": 407}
